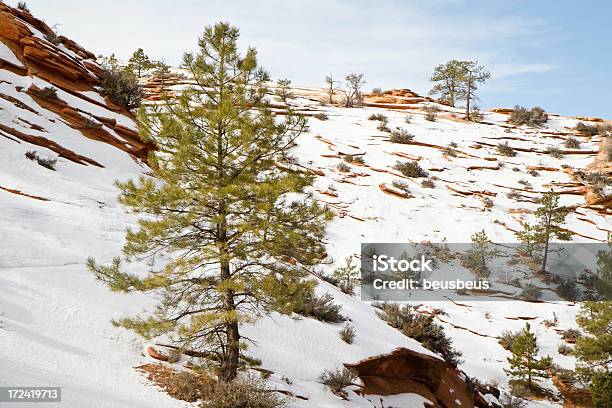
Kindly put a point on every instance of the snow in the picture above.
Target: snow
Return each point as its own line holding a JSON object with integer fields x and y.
{"x": 8, "y": 55}
{"x": 58, "y": 329}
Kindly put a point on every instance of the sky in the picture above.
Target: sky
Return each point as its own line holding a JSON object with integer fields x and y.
{"x": 553, "y": 54}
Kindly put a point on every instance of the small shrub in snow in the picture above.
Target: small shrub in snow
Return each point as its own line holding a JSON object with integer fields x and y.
{"x": 525, "y": 183}
{"x": 378, "y": 116}
{"x": 564, "y": 349}
{"x": 533, "y": 173}
{"x": 421, "y": 328}
{"x": 510, "y": 401}
{"x": 377, "y": 91}
{"x": 401, "y": 185}
{"x": 244, "y": 393}
{"x": 48, "y": 92}
{"x": 408, "y": 118}
{"x": 383, "y": 126}
{"x": 186, "y": 386}
{"x": 554, "y": 151}
{"x": 431, "y": 113}
{"x": 410, "y": 169}
{"x": 354, "y": 158}
{"x": 505, "y": 150}
{"x": 598, "y": 179}
{"x": 31, "y": 155}
{"x": 572, "y": 143}
{"x": 338, "y": 378}
{"x": 343, "y": 167}
{"x": 283, "y": 89}
{"x": 92, "y": 124}
{"x": 506, "y": 340}
{"x": 488, "y": 203}
{"x": 585, "y": 129}
{"x": 531, "y": 292}
{"x": 476, "y": 115}
{"x": 428, "y": 183}
{"x": 347, "y": 333}
{"x": 321, "y": 116}
{"x": 47, "y": 163}
{"x": 514, "y": 195}
{"x": 400, "y": 136}
{"x": 321, "y": 308}
{"x": 450, "y": 151}
{"x": 535, "y": 117}
{"x": 571, "y": 335}
{"x": 568, "y": 289}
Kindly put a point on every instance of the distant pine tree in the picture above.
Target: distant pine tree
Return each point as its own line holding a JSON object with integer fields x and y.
{"x": 524, "y": 362}
{"x": 225, "y": 208}
{"x": 139, "y": 62}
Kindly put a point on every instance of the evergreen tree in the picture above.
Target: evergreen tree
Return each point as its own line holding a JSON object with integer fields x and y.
{"x": 550, "y": 216}
{"x": 480, "y": 253}
{"x": 449, "y": 81}
{"x": 283, "y": 89}
{"x": 524, "y": 362}
{"x": 139, "y": 62}
{"x": 353, "y": 96}
{"x": 347, "y": 276}
{"x": 473, "y": 74}
{"x": 594, "y": 350}
{"x": 226, "y": 210}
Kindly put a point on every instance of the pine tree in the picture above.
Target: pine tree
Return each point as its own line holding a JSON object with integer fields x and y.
{"x": 594, "y": 350}
{"x": 139, "y": 62}
{"x": 473, "y": 74}
{"x": 480, "y": 253}
{"x": 550, "y": 216}
{"x": 226, "y": 209}
{"x": 347, "y": 275}
{"x": 449, "y": 81}
{"x": 524, "y": 362}
{"x": 283, "y": 89}
{"x": 353, "y": 96}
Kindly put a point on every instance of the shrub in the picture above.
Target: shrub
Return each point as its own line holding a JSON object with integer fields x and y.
{"x": 48, "y": 92}
{"x": 564, "y": 349}
{"x": 488, "y": 203}
{"x": 244, "y": 393}
{"x": 401, "y": 185}
{"x": 427, "y": 183}
{"x": 321, "y": 116}
{"x": 506, "y": 340}
{"x": 572, "y": 143}
{"x": 321, "y": 308}
{"x": 450, "y": 151}
{"x": 410, "y": 169}
{"x": 597, "y": 178}
{"x": 383, "y": 126}
{"x": 353, "y": 158}
{"x": 531, "y": 292}
{"x": 533, "y": 173}
{"x": 421, "y": 328}
{"x": 378, "y": 116}
{"x": 121, "y": 88}
{"x": 525, "y": 183}
{"x": 338, "y": 378}
{"x": 554, "y": 152}
{"x": 47, "y": 163}
{"x": 408, "y": 118}
{"x": 514, "y": 195}
{"x": 400, "y": 136}
{"x": 568, "y": 290}
{"x": 92, "y": 124}
{"x": 476, "y": 115}
{"x": 377, "y": 91}
{"x": 52, "y": 37}
{"x": 535, "y": 117}
{"x": 23, "y": 6}
{"x": 571, "y": 335}
{"x": 343, "y": 167}
{"x": 589, "y": 130}
{"x": 505, "y": 150}
{"x": 431, "y": 113}
{"x": 510, "y": 401}
{"x": 347, "y": 333}
{"x": 186, "y": 386}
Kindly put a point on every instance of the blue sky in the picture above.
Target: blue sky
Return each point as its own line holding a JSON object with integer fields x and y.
{"x": 556, "y": 54}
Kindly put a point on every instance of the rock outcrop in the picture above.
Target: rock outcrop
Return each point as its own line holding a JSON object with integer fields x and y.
{"x": 407, "y": 371}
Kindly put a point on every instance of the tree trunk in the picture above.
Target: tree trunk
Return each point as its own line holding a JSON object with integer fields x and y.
{"x": 545, "y": 257}
{"x": 229, "y": 365}
{"x": 469, "y": 96}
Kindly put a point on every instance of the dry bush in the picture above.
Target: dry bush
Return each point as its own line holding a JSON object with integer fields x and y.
{"x": 347, "y": 333}
{"x": 410, "y": 169}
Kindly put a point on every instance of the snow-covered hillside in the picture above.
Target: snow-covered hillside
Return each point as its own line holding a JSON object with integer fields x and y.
{"x": 55, "y": 325}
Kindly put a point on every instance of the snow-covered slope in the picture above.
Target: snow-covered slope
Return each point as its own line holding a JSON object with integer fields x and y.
{"x": 55, "y": 318}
